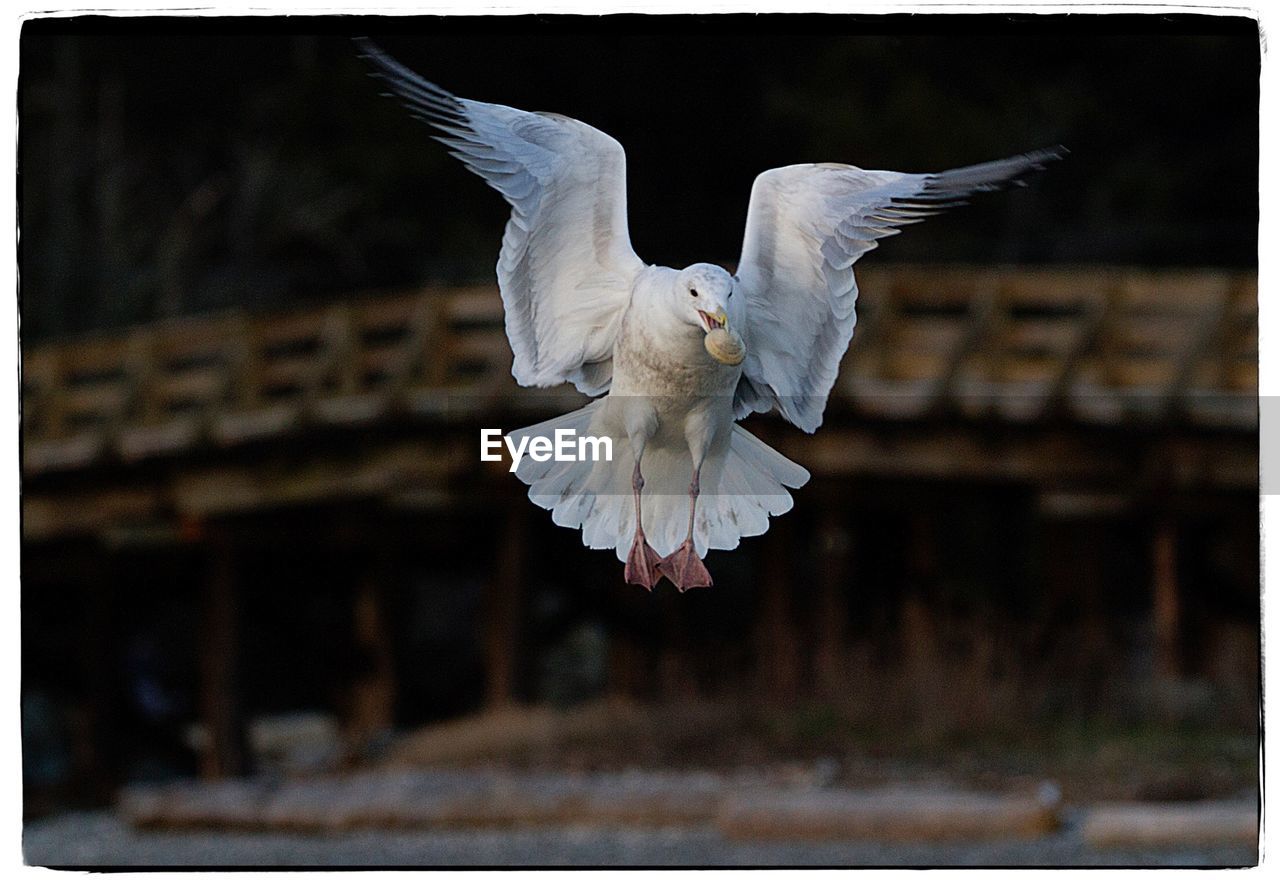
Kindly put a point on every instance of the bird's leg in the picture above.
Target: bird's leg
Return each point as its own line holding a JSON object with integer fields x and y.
{"x": 684, "y": 567}
{"x": 642, "y": 561}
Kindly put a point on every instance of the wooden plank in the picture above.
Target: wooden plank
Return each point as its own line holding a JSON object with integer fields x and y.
{"x": 417, "y": 357}
{"x": 1037, "y": 371}
{"x": 844, "y": 451}
{"x": 377, "y": 472}
{"x": 1158, "y": 333}
{"x": 908, "y": 815}
{"x": 1223, "y": 410}
{"x": 298, "y": 328}
{"x": 475, "y": 305}
{"x": 1202, "y": 824}
{"x": 896, "y": 399}
{"x": 1083, "y": 504}
{"x": 244, "y": 368}
{"x": 202, "y": 386}
{"x": 389, "y": 311}
{"x": 88, "y": 513}
{"x": 65, "y": 453}
{"x": 351, "y": 409}
{"x": 337, "y": 364}
{"x": 162, "y": 437}
{"x": 1041, "y": 336}
{"x": 1154, "y": 372}
{"x": 94, "y": 403}
{"x": 1184, "y": 289}
{"x": 982, "y": 322}
{"x": 1057, "y": 287}
{"x": 423, "y": 801}
{"x": 1023, "y": 397}
{"x": 1092, "y": 328}
{"x": 1213, "y": 328}
{"x": 382, "y": 360}
{"x": 243, "y": 425}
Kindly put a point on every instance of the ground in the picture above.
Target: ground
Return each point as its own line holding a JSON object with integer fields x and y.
{"x": 1089, "y": 760}
{"x": 102, "y": 840}
{"x": 805, "y": 749}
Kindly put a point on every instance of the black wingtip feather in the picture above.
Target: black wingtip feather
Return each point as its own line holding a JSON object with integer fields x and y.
{"x": 993, "y": 176}
{"x": 427, "y": 101}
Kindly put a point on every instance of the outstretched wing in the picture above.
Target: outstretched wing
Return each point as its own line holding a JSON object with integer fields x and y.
{"x": 806, "y": 227}
{"x": 566, "y": 268}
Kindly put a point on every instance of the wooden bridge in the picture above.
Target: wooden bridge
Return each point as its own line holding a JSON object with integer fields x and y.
{"x": 1038, "y": 350}
{"x": 1097, "y": 393}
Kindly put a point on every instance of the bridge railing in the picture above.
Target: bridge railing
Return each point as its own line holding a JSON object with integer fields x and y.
{"x": 1014, "y": 345}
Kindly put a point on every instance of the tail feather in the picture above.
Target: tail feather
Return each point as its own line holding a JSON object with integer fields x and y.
{"x": 740, "y": 488}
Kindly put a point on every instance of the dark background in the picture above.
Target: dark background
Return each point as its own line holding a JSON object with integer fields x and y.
{"x": 176, "y": 166}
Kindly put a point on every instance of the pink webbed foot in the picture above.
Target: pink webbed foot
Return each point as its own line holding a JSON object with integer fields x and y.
{"x": 642, "y": 564}
{"x": 685, "y": 568}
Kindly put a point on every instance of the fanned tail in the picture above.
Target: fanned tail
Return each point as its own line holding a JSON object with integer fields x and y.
{"x": 750, "y": 485}
{"x": 740, "y": 488}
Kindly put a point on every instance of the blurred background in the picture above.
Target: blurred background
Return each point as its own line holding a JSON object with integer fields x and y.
{"x": 260, "y": 334}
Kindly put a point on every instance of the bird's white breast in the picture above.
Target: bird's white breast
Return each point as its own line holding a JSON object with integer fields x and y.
{"x": 660, "y": 355}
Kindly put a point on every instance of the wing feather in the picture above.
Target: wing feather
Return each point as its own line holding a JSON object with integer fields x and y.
{"x": 806, "y": 227}
{"x": 566, "y": 267}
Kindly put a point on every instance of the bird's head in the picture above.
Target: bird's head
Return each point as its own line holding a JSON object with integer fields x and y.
{"x": 705, "y": 290}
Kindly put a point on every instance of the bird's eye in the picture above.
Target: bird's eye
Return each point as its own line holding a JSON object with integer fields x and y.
{"x": 693, "y": 292}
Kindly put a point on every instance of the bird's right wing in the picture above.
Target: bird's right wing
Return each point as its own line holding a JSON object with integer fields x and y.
{"x": 567, "y": 267}
{"x": 806, "y": 227}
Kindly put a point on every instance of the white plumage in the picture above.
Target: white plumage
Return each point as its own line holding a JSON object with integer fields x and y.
{"x": 581, "y": 307}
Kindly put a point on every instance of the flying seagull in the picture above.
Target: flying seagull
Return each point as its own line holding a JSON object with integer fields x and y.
{"x": 675, "y": 355}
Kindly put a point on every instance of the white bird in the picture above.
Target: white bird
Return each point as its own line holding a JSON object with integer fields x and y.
{"x": 659, "y": 344}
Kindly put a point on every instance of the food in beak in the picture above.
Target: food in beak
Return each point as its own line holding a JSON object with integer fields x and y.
{"x": 713, "y": 322}
{"x": 724, "y": 346}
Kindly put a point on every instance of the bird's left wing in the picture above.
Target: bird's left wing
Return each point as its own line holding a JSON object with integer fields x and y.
{"x": 567, "y": 267}
{"x": 806, "y": 227}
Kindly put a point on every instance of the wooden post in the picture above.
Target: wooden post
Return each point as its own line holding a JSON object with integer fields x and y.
{"x": 629, "y": 674}
{"x": 502, "y": 610}
{"x": 618, "y": 684}
{"x": 371, "y": 713}
{"x": 1166, "y": 605}
{"x": 777, "y": 649}
{"x": 920, "y": 601}
{"x": 220, "y": 706}
{"x": 831, "y": 614}
{"x": 93, "y": 761}
{"x": 676, "y": 680}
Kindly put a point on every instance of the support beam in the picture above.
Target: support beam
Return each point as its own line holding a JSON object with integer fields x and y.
{"x": 503, "y": 608}
{"x": 830, "y": 614}
{"x": 626, "y": 668}
{"x": 94, "y": 759}
{"x": 221, "y": 710}
{"x": 675, "y": 675}
{"x": 629, "y": 672}
{"x": 371, "y": 712}
{"x": 776, "y": 644}
{"x": 1166, "y": 604}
